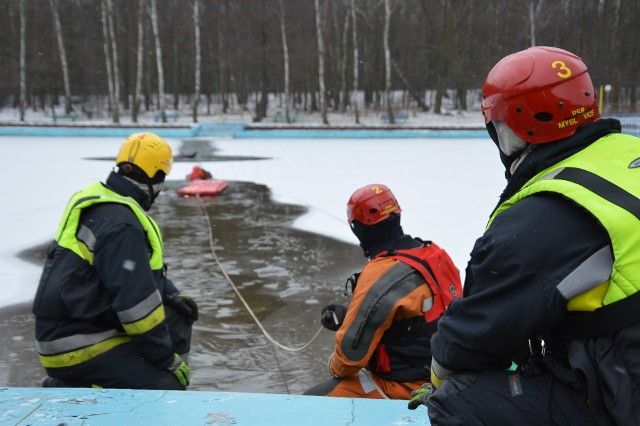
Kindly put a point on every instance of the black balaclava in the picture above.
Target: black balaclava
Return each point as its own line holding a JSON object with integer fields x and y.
{"x": 150, "y": 186}
{"x": 378, "y": 237}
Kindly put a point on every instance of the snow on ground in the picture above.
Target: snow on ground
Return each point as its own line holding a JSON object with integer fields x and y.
{"x": 446, "y": 187}
{"x": 368, "y": 118}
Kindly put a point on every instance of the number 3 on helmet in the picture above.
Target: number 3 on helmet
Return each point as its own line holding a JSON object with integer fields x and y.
{"x": 542, "y": 93}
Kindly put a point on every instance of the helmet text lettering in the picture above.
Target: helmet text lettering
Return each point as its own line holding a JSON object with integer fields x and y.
{"x": 569, "y": 122}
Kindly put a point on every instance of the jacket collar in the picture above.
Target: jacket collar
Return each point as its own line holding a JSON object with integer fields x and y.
{"x": 546, "y": 155}
{"x": 124, "y": 187}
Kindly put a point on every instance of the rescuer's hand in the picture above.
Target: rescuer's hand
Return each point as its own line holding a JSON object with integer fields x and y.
{"x": 185, "y": 305}
{"x": 180, "y": 369}
{"x": 333, "y": 316}
{"x": 421, "y": 396}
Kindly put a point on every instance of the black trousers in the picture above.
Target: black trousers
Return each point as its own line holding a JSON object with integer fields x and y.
{"x": 124, "y": 368}
{"x": 499, "y": 398}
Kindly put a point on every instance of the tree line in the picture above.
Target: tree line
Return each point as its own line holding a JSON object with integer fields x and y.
{"x": 217, "y": 56}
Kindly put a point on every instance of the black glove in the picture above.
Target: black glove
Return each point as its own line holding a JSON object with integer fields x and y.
{"x": 185, "y": 305}
{"x": 333, "y": 316}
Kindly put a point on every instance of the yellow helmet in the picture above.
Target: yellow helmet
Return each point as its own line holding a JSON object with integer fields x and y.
{"x": 148, "y": 151}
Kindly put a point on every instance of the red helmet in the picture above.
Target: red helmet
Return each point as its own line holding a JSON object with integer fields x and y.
{"x": 372, "y": 204}
{"x": 542, "y": 93}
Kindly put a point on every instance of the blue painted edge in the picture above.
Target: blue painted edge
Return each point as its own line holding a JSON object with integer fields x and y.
{"x": 92, "y": 131}
{"x": 360, "y": 134}
{"x": 97, "y": 407}
{"x": 238, "y": 132}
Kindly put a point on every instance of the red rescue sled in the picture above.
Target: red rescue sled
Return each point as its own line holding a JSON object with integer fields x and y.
{"x": 203, "y": 188}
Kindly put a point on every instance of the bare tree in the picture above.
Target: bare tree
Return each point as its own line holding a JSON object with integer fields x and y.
{"x": 285, "y": 51}
{"x": 222, "y": 55}
{"x": 107, "y": 56}
{"x": 442, "y": 49}
{"x": 322, "y": 94}
{"x": 387, "y": 62}
{"x": 407, "y": 84}
{"x": 356, "y": 63}
{"x": 139, "y": 62}
{"x": 615, "y": 69}
{"x": 63, "y": 55}
{"x": 156, "y": 37}
{"x": 23, "y": 62}
{"x": 344, "y": 58}
{"x": 116, "y": 68}
{"x": 535, "y": 8}
{"x": 532, "y": 23}
{"x": 196, "y": 29}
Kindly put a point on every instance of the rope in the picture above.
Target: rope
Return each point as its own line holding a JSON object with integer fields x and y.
{"x": 246, "y": 305}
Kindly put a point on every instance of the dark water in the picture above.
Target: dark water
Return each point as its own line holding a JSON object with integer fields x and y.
{"x": 285, "y": 275}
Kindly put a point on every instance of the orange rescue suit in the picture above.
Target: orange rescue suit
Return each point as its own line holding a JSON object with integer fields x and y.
{"x": 389, "y": 295}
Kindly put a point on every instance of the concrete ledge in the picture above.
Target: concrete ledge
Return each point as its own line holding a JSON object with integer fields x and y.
{"x": 96, "y": 407}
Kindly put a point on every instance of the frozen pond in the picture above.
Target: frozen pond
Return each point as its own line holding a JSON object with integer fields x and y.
{"x": 447, "y": 188}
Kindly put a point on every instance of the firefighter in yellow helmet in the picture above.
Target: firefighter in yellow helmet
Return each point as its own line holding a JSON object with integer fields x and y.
{"x": 106, "y": 314}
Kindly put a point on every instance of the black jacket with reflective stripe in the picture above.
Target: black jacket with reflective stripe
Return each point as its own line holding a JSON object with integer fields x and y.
{"x": 512, "y": 291}
{"x": 75, "y": 298}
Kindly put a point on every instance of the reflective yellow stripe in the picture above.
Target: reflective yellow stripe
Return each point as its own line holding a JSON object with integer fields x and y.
{"x": 147, "y": 323}
{"x": 88, "y": 255}
{"x": 70, "y": 359}
{"x": 589, "y": 300}
{"x": 141, "y": 310}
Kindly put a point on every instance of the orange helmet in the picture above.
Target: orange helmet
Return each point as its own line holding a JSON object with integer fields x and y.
{"x": 372, "y": 204}
{"x": 542, "y": 93}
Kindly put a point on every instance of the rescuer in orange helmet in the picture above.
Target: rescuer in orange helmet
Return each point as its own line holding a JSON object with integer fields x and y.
{"x": 383, "y": 337}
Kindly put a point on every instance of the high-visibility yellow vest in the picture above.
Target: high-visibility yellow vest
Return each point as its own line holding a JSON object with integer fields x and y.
{"x": 67, "y": 233}
{"x": 603, "y": 178}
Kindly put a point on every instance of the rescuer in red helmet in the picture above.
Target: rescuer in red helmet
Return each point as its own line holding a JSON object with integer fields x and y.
{"x": 383, "y": 337}
{"x": 548, "y": 330}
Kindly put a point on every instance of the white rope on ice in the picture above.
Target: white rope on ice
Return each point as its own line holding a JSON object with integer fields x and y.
{"x": 244, "y": 302}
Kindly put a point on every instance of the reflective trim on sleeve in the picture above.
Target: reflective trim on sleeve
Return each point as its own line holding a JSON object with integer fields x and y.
{"x": 427, "y": 304}
{"x": 368, "y": 383}
{"x": 139, "y": 327}
{"x": 79, "y": 356}
{"x": 77, "y": 341}
{"x": 85, "y": 235}
{"x": 142, "y": 309}
{"x": 438, "y": 372}
{"x": 591, "y": 273}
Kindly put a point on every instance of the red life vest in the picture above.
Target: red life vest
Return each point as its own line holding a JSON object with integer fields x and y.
{"x": 439, "y": 272}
